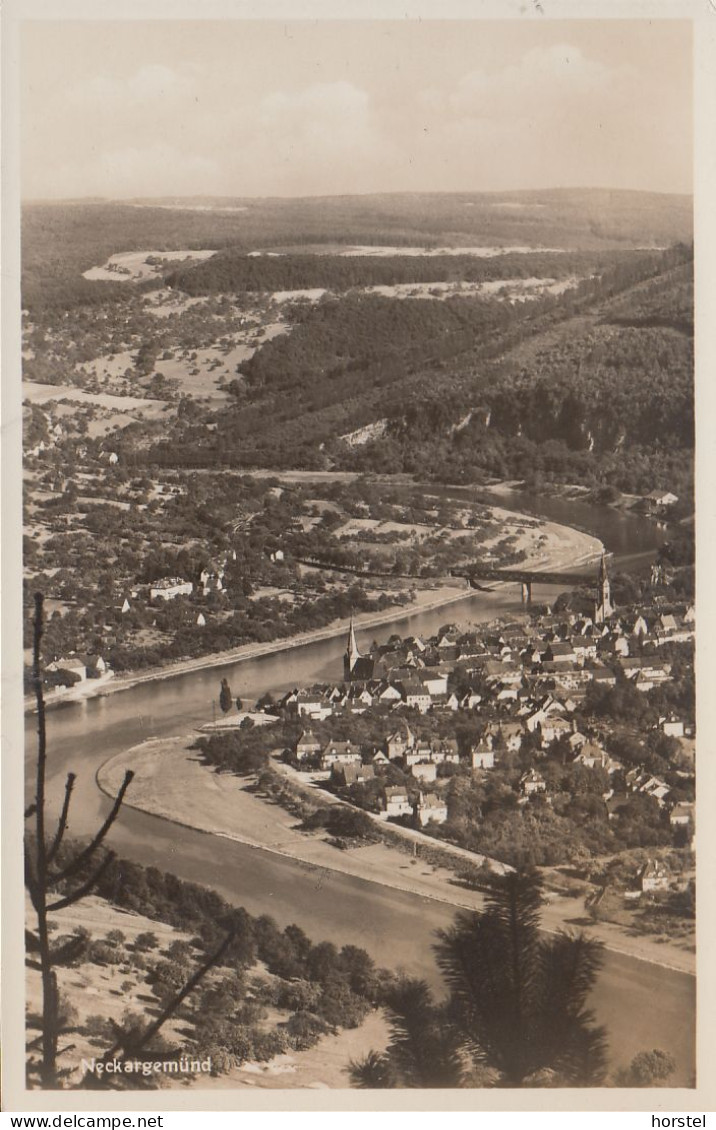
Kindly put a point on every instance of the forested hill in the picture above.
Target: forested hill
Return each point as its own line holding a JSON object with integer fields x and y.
{"x": 232, "y": 271}
{"x": 605, "y": 398}
{"x": 593, "y": 386}
{"x": 62, "y": 239}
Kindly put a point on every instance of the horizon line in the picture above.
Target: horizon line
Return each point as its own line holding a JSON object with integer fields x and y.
{"x": 94, "y": 198}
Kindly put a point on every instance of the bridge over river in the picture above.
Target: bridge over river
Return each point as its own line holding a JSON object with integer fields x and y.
{"x": 526, "y": 577}
{"x": 472, "y": 573}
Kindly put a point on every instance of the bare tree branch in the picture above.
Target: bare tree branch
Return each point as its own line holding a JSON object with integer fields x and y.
{"x": 94, "y": 844}
{"x": 86, "y": 887}
{"x": 62, "y": 823}
{"x": 175, "y": 1002}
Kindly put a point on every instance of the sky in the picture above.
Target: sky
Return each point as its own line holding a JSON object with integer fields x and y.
{"x": 318, "y": 107}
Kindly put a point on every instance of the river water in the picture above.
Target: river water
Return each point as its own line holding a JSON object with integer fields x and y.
{"x": 643, "y": 1005}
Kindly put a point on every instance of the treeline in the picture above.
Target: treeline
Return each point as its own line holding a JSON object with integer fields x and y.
{"x": 234, "y": 1015}
{"x": 604, "y": 389}
{"x": 665, "y": 301}
{"x": 232, "y": 271}
{"x": 259, "y": 621}
{"x": 61, "y": 240}
{"x": 193, "y": 908}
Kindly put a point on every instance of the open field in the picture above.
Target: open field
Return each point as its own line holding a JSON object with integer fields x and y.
{"x": 43, "y": 393}
{"x": 509, "y": 290}
{"x": 132, "y": 266}
{"x": 374, "y": 250}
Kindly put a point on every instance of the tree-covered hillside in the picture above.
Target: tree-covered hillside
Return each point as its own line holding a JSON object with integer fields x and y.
{"x": 594, "y": 385}
{"x": 603, "y": 400}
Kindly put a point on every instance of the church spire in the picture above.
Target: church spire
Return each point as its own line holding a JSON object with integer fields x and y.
{"x": 603, "y": 569}
{"x": 604, "y": 607}
{"x": 352, "y": 652}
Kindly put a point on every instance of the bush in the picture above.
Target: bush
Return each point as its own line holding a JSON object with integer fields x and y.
{"x": 298, "y": 996}
{"x": 305, "y": 1029}
{"x": 146, "y": 941}
{"x": 222, "y": 1061}
{"x": 269, "y": 1044}
{"x": 341, "y": 1008}
{"x": 349, "y": 822}
{"x": 179, "y": 951}
{"x": 103, "y": 954}
{"x": 647, "y": 1069}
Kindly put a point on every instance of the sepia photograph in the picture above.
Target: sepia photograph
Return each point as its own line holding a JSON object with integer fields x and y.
{"x": 358, "y": 556}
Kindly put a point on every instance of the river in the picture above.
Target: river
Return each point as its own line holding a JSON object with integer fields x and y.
{"x": 643, "y": 1005}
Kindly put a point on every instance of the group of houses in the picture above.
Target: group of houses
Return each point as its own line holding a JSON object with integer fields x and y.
{"x": 537, "y": 671}
{"x": 81, "y": 667}
{"x": 524, "y": 681}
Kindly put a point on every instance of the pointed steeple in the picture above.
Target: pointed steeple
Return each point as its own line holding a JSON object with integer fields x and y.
{"x": 352, "y": 652}
{"x": 604, "y": 607}
{"x": 603, "y": 569}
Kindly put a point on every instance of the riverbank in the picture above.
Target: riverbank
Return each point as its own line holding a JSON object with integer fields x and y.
{"x": 172, "y": 783}
{"x": 562, "y": 547}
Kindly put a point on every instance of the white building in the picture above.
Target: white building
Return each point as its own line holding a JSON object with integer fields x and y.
{"x": 170, "y": 587}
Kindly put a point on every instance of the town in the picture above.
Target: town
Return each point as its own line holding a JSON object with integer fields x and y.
{"x": 564, "y": 739}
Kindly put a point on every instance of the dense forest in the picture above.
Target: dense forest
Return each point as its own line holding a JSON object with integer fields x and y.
{"x": 61, "y": 240}
{"x": 232, "y": 271}
{"x": 611, "y": 403}
{"x": 593, "y": 386}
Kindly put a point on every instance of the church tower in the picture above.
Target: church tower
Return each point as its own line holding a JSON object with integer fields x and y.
{"x": 355, "y": 665}
{"x": 352, "y": 654}
{"x": 604, "y": 608}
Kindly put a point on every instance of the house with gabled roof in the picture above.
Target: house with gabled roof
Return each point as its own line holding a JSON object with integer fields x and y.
{"x": 591, "y": 756}
{"x": 351, "y": 773}
{"x": 398, "y": 743}
{"x": 417, "y": 696}
{"x": 307, "y": 746}
{"x": 682, "y": 814}
{"x": 73, "y": 664}
{"x": 654, "y": 876}
{"x": 482, "y": 755}
{"x": 313, "y": 703}
{"x": 553, "y": 727}
{"x": 339, "y": 753}
{"x": 425, "y": 771}
{"x": 397, "y": 801}
{"x": 532, "y": 782}
{"x": 640, "y": 627}
{"x": 430, "y": 807}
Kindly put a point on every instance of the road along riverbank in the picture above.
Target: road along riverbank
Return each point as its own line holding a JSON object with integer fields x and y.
{"x": 173, "y": 783}
{"x": 642, "y": 1004}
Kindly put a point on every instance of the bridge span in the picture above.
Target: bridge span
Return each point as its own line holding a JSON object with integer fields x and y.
{"x": 474, "y": 574}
